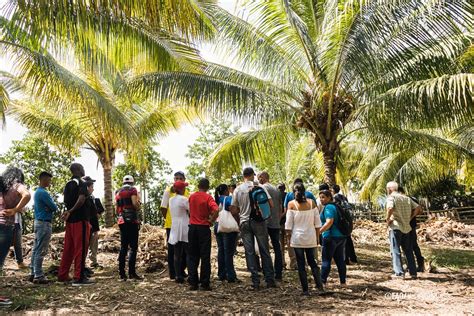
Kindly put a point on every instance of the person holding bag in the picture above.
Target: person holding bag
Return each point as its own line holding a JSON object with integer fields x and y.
{"x": 226, "y": 230}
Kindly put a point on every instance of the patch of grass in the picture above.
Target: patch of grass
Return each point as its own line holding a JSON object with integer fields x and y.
{"x": 450, "y": 258}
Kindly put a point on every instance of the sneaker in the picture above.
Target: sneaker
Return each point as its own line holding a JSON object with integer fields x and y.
{"x": 413, "y": 277}
{"x": 179, "y": 280}
{"x": 31, "y": 278}
{"x": 255, "y": 287}
{"x": 84, "y": 282}
{"x": 5, "y": 301}
{"x": 305, "y": 293}
{"x": 234, "y": 280}
{"x": 206, "y": 288}
{"x": 271, "y": 285}
{"x": 123, "y": 278}
{"x": 41, "y": 280}
{"x": 193, "y": 287}
{"x": 135, "y": 276}
{"x": 88, "y": 272}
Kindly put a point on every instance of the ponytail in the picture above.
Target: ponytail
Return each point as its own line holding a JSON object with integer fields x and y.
{"x": 299, "y": 190}
{"x": 221, "y": 188}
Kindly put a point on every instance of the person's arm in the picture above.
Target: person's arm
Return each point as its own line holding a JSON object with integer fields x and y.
{"x": 80, "y": 201}
{"x": 289, "y": 219}
{"x": 329, "y": 220}
{"x": 164, "y": 203}
{"x": 135, "y": 202}
{"x": 214, "y": 210}
{"x": 49, "y": 202}
{"x": 25, "y": 198}
{"x": 234, "y": 207}
{"x": 390, "y": 210}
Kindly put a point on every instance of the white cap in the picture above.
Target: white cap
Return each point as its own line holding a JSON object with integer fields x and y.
{"x": 128, "y": 179}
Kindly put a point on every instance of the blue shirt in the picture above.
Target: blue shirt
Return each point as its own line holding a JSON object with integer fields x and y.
{"x": 44, "y": 205}
{"x": 290, "y": 196}
{"x": 330, "y": 211}
{"x": 228, "y": 201}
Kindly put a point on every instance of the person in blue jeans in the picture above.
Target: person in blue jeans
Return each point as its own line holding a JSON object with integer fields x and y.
{"x": 44, "y": 208}
{"x": 226, "y": 242}
{"x": 333, "y": 245}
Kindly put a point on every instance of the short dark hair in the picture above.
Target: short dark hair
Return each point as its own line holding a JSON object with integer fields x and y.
{"x": 233, "y": 185}
{"x": 179, "y": 173}
{"x": 281, "y": 186}
{"x": 323, "y": 187}
{"x": 203, "y": 184}
{"x": 298, "y": 180}
{"x": 336, "y": 188}
{"x": 45, "y": 174}
{"x": 401, "y": 190}
{"x": 248, "y": 172}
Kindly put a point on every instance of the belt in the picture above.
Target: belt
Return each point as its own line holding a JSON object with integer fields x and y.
{"x": 44, "y": 220}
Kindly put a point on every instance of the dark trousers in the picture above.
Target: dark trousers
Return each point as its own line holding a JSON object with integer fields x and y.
{"x": 199, "y": 251}
{"x": 170, "y": 253}
{"x": 180, "y": 257}
{"x": 226, "y": 244}
{"x": 416, "y": 249}
{"x": 397, "y": 240}
{"x": 350, "y": 251}
{"x": 274, "y": 234}
{"x": 333, "y": 247}
{"x": 6, "y": 237}
{"x": 301, "y": 253}
{"x": 128, "y": 238}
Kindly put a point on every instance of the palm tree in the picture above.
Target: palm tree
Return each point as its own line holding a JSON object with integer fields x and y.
{"x": 326, "y": 66}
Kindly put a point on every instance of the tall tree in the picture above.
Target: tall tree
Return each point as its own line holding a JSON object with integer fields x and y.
{"x": 320, "y": 66}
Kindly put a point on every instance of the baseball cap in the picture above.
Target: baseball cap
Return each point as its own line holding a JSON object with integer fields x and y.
{"x": 128, "y": 179}
{"x": 88, "y": 179}
{"x": 179, "y": 185}
{"x": 248, "y": 172}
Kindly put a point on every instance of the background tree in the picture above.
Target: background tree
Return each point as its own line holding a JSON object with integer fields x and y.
{"x": 211, "y": 134}
{"x": 151, "y": 180}
{"x": 321, "y": 67}
{"x": 33, "y": 155}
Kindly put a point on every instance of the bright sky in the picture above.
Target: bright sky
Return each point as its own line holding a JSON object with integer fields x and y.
{"x": 172, "y": 148}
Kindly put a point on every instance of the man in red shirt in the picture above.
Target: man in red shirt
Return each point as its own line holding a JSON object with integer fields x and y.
{"x": 203, "y": 211}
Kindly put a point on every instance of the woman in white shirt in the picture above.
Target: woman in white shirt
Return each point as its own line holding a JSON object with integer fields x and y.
{"x": 302, "y": 220}
{"x": 179, "y": 211}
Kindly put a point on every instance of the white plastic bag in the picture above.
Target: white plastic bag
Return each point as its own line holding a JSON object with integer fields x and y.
{"x": 227, "y": 223}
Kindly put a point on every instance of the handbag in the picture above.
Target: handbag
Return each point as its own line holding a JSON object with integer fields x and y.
{"x": 129, "y": 216}
{"x": 227, "y": 222}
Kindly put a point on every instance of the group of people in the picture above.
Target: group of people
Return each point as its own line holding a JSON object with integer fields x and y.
{"x": 297, "y": 222}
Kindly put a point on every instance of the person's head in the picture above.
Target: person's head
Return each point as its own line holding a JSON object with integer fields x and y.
{"x": 325, "y": 196}
{"x": 401, "y": 190}
{"x": 232, "y": 187}
{"x": 336, "y": 188}
{"x": 249, "y": 174}
{"x": 45, "y": 179}
{"x": 11, "y": 176}
{"x": 203, "y": 185}
{"x": 281, "y": 187}
{"x": 221, "y": 190}
{"x": 77, "y": 170}
{"x": 299, "y": 190}
{"x": 179, "y": 187}
{"x": 179, "y": 176}
{"x": 323, "y": 187}
{"x": 263, "y": 177}
{"x": 297, "y": 180}
{"x": 89, "y": 183}
{"x": 128, "y": 180}
{"x": 392, "y": 186}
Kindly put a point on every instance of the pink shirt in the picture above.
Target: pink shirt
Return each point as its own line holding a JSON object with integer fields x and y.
{"x": 10, "y": 199}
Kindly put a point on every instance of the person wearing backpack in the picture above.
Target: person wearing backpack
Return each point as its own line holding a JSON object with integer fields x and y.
{"x": 128, "y": 206}
{"x": 303, "y": 223}
{"x": 342, "y": 201}
{"x": 226, "y": 242}
{"x": 333, "y": 239}
{"x": 253, "y": 226}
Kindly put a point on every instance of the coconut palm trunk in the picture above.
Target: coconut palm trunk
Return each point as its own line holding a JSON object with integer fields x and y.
{"x": 109, "y": 207}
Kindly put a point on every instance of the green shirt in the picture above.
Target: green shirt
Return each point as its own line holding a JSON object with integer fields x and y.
{"x": 402, "y": 208}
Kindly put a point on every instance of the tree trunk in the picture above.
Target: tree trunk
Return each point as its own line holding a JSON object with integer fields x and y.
{"x": 330, "y": 150}
{"x": 108, "y": 203}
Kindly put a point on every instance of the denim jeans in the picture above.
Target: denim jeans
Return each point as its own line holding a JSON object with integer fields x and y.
{"x": 274, "y": 234}
{"x": 333, "y": 247}
{"x": 43, "y": 231}
{"x": 6, "y": 237}
{"x": 416, "y": 249}
{"x": 397, "y": 240}
{"x": 17, "y": 249}
{"x": 249, "y": 231}
{"x": 301, "y": 253}
{"x": 226, "y": 244}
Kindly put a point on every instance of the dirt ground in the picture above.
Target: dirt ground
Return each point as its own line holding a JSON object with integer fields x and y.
{"x": 447, "y": 289}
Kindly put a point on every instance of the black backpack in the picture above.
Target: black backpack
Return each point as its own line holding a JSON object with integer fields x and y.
{"x": 345, "y": 224}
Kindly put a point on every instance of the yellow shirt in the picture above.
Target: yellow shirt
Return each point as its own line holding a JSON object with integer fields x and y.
{"x": 165, "y": 203}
